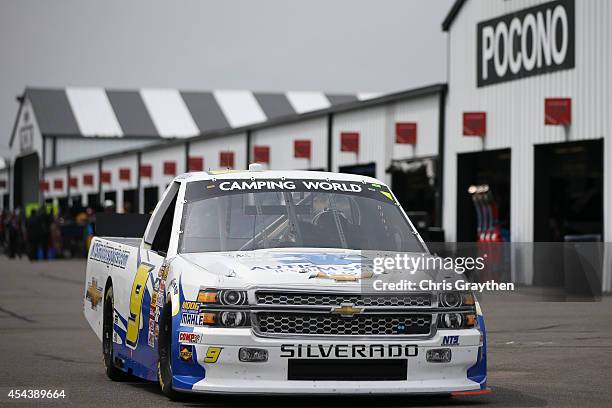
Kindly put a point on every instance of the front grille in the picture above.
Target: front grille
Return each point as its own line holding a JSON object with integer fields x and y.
{"x": 333, "y": 299}
{"x": 326, "y": 324}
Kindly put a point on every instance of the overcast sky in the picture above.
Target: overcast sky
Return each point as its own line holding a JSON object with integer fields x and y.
{"x": 266, "y": 45}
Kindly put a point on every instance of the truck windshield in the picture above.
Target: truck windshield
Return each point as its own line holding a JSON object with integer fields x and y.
{"x": 242, "y": 215}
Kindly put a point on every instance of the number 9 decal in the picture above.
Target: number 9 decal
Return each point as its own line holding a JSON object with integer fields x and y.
{"x": 138, "y": 290}
{"x": 212, "y": 354}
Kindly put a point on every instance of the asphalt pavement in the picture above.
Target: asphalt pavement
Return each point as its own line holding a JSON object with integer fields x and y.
{"x": 540, "y": 353}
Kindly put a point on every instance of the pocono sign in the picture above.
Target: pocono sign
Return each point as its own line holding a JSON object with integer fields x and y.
{"x": 529, "y": 42}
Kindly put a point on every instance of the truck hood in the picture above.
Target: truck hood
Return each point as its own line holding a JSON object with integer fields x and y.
{"x": 296, "y": 267}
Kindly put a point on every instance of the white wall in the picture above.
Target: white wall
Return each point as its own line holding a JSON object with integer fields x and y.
{"x": 281, "y": 139}
{"x": 374, "y": 131}
{"x": 48, "y": 142}
{"x": 25, "y": 121}
{"x": 52, "y": 175}
{"x": 27, "y": 139}
{"x": 209, "y": 150}
{"x": 79, "y": 171}
{"x": 113, "y": 165}
{"x": 72, "y": 149}
{"x": 425, "y": 112}
{"x": 376, "y": 127}
{"x": 155, "y": 158}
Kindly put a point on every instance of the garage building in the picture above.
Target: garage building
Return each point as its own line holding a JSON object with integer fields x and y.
{"x": 126, "y": 146}
{"x": 528, "y": 113}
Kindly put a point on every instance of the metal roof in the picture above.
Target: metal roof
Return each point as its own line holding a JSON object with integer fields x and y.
{"x": 166, "y": 113}
{"x": 361, "y": 102}
{"x": 452, "y": 13}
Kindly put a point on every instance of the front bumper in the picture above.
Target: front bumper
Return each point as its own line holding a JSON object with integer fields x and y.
{"x": 229, "y": 375}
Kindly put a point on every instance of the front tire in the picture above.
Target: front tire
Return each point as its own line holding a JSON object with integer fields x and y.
{"x": 164, "y": 347}
{"x": 112, "y": 371}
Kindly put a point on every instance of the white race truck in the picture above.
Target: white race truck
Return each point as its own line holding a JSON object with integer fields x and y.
{"x": 253, "y": 282}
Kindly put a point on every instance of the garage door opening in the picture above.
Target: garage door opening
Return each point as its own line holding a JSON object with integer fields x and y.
{"x": 413, "y": 183}
{"x": 151, "y": 196}
{"x": 568, "y": 199}
{"x": 26, "y": 181}
{"x": 487, "y": 208}
{"x": 568, "y": 207}
{"x": 130, "y": 201}
{"x": 93, "y": 201}
{"x": 368, "y": 169}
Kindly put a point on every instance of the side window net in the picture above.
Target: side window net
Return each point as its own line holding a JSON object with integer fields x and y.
{"x": 161, "y": 242}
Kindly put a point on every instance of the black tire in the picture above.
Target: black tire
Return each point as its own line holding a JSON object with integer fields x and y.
{"x": 112, "y": 372}
{"x": 164, "y": 349}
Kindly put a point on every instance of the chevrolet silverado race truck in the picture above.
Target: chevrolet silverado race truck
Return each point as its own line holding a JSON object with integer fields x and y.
{"x": 253, "y": 282}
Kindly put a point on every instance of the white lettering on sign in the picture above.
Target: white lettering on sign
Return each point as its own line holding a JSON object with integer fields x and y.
{"x": 530, "y": 42}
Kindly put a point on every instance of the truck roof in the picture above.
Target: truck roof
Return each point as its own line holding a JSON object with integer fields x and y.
{"x": 273, "y": 174}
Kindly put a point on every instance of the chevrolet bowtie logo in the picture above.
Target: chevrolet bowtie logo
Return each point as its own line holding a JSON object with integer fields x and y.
{"x": 94, "y": 293}
{"x": 347, "y": 310}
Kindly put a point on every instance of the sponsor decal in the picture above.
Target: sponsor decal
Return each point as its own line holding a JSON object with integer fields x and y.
{"x": 151, "y": 336}
{"x": 94, "y": 293}
{"x": 400, "y": 328}
{"x": 192, "y": 319}
{"x": 163, "y": 272}
{"x": 528, "y": 42}
{"x": 153, "y": 300}
{"x": 139, "y": 288}
{"x": 343, "y": 277}
{"x": 185, "y": 353}
{"x": 187, "y": 337}
{"x": 157, "y": 303}
{"x": 388, "y": 195}
{"x": 450, "y": 340}
{"x": 191, "y": 305}
{"x": 109, "y": 255}
{"x": 348, "y": 350}
{"x": 289, "y": 185}
{"x": 161, "y": 296}
{"x": 174, "y": 287}
{"x": 153, "y": 316}
{"x": 322, "y": 266}
{"x": 212, "y": 354}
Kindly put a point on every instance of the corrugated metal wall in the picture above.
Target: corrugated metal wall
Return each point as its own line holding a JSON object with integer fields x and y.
{"x": 374, "y": 128}
{"x": 53, "y": 175}
{"x": 155, "y": 159}
{"x": 78, "y": 148}
{"x": 209, "y": 150}
{"x": 425, "y": 112}
{"x": 82, "y": 189}
{"x": 113, "y": 165}
{"x": 281, "y": 139}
